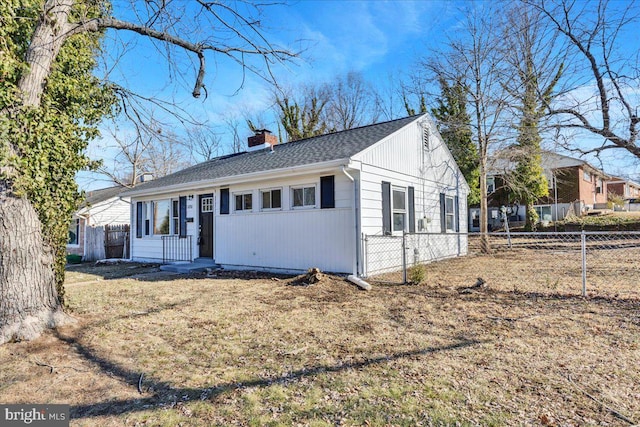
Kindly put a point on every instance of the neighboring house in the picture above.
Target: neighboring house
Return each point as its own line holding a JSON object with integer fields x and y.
{"x": 303, "y": 204}
{"x": 100, "y": 208}
{"x": 575, "y": 186}
{"x": 624, "y": 188}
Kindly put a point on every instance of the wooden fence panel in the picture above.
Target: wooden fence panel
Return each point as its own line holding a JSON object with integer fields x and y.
{"x": 116, "y": 241}
{"x": 94, "y": 249}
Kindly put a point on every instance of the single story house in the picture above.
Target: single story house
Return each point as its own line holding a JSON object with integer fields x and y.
{"x": 575, "y": 186}
{"x": 103, "y": 207}
{"x": 309, "y": 203}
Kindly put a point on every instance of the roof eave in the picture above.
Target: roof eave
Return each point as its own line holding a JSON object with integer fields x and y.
{"x": 239, "y": 179}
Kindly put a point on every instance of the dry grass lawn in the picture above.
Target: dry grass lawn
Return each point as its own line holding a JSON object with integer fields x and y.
{"x": 233, "y": 351}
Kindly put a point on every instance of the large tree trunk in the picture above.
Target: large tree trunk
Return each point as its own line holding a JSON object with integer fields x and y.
{"x": 29, "y": 302}
{"x": 28, "y": 299}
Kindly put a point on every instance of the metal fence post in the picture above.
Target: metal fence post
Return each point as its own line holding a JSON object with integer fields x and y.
{"x": 404, "y": 257}
{"x": 583, "y": 244}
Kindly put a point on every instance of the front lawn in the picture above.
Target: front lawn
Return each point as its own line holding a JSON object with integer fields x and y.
{"x": 166, "y": 350}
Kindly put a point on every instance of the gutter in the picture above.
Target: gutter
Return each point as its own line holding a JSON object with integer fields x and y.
{"x": 356, "y": 211}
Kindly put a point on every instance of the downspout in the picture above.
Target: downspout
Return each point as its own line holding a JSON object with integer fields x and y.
{"x": 356, "y": 213}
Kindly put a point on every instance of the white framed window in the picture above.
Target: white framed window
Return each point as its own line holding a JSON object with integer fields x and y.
{"x": 243, "y": 202}
{"x": 206, "y": 204}
{"x": 147, "y": 209}
{"x": 586, "y": 176}
{"x": 399, "y": 208}
{"x": 271, "y": 199}
{"x": 303, "y": 196}
{"x": 74, "y": 232}
{"x": 175, "y": 216}
{"x": 161, "y": 217}
{"x": 450, "y": 213}
{"x": 491, "y": 184}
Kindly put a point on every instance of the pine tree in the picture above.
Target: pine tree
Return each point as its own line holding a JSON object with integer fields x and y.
{"x": 454, "y": 125}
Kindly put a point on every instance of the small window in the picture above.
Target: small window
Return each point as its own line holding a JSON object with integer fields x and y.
{"x": 206, "y": 204}
{"x": 586, "y": 176}
{"x": 244, "y": 202}
{"x": 304, "y": 196}
{"x": 271, "y": 199}
{"x": 175, "y": 216}
{"x": 147, "y": 208}
{"x": 399, "y": 208}
{"x": 74, "y": 232}
{"x": 491, "y": 184}
{"x": 450, "y": 214}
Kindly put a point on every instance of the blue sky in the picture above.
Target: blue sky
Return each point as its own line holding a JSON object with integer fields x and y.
{"x": 380, "y": 39}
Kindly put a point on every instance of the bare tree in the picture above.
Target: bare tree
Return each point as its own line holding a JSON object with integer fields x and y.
{"x": 303, "y": 115}
{"x": 599, "y": 93}
{"x": 234, "y": 125}
{"x": 351, "y": 104}
{"x": 530, "y": 52}
{"x": 202, "y": 142}
{"x": 30, "y": 289}
{"x": 473, "y": 58}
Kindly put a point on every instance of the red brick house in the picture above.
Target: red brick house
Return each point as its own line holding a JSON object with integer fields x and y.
{"x": 625, "y": 188}
{"x": 575, "y": 186}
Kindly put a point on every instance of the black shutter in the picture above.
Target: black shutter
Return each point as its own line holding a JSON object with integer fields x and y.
{"x": 412, "y": 211}
{"x": 456, "y": 214}
{"x": 386, "y": 207}
{"x": 183, "y": 216}
{"x": 327, "y": 192}
{"x": 139, "y": 219}
{"x": 443, "y": 214}
{"x": 224, "y": 201}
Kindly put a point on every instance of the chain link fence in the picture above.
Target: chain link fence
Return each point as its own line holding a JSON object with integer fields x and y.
{"x": 588, "y": 263}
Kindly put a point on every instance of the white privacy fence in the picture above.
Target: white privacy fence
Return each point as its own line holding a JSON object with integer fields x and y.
{"x": 600, "y": 263}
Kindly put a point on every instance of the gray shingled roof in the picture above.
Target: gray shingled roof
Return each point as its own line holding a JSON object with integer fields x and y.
{"x": 96, "y": 196}
{"x": 324, "y": 148}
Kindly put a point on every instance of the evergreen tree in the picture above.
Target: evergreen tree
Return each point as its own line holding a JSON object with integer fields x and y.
{"x": 454, "y": 125}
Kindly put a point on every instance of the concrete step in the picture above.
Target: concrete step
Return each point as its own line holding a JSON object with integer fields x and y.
{"x": 198, "y": 266}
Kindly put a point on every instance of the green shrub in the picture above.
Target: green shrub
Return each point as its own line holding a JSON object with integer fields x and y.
{"x": 417, "y": 274}
{"x": 73, "y": 259}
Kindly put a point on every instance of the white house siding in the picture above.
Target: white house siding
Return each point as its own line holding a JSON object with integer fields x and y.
{"x": 149, "y": 248}
{"x": 288, "y": 240}
{"x": 402, "y": 161}
{"x": 284, "y": 239}
{"x": 113, "y": 211}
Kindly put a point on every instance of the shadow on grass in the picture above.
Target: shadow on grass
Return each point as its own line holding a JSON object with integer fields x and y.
{"x": 166, "y": 395}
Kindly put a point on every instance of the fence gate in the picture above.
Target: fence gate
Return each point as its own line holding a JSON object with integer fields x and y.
{"x": 116, "y": 241}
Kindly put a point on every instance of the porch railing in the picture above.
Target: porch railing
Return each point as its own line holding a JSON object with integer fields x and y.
{"x": 176, "y": 248}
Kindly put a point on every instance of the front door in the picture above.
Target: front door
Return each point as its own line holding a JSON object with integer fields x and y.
{"x": 205, "y": 236}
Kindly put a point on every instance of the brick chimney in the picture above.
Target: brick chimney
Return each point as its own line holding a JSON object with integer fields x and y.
{"x": 262, "y": 139}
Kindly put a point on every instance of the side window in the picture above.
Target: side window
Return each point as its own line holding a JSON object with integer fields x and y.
{"x": 399, "y": 208}
{"x": 303, "y": 196}
{"x": 243, "y": 202}
{"x": 491, "y": 184}
{"x": 271, "y": 199}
